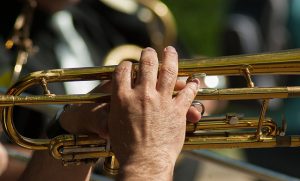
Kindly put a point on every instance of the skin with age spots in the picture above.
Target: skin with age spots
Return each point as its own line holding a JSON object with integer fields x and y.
{"x": 147, "y": 126}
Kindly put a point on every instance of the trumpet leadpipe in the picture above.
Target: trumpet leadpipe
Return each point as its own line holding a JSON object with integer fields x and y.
{"x": 248, "y": 93}
{"x": 276, "y": 63}
{"x": 8, "y": 100}
{"x": 202, "y": 94}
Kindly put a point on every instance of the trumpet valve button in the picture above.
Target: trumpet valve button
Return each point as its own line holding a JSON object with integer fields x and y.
{"x": 233, "y": 120}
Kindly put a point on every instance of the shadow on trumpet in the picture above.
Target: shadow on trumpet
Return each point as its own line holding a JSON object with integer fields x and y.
{"x": 231, "y": 131}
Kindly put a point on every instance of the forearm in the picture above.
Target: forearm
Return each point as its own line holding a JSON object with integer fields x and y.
{"x": 144, "y": 172}
{"x": 159, "y": 167}
{"x": 43, "y": 167}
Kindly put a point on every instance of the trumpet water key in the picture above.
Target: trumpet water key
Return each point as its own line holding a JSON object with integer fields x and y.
{"x": 229, "y": 131}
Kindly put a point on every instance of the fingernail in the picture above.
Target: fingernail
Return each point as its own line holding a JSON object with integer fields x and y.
{"x": 170, "y": 48}
{"x": 196, "y": 81}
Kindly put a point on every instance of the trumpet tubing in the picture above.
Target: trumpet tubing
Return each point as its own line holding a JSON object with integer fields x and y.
{"x": 230, "y": 131}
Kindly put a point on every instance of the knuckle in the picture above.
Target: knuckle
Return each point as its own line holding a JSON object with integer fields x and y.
{"x": 188, "y": 96}
{"x": 120, "y": 70}
{"x": 169, "y": 71}
{"x": 171, "y": 54}
{"x": 148, "y": 61}
{"x": 146, "y": 97}
{"x": 122, "y": 97}
{"x": 191, "y": 91}
{"x": 166, "y": 82}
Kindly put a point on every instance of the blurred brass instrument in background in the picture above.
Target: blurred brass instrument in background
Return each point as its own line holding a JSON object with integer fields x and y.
{"x": 20, "y": 38}
{"x": 229, "y": 131}
{"x": 161, "y": 28}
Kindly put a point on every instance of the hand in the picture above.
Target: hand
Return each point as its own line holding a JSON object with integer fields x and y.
{"x": 88, "y": 118}
{"x": 193, "y": 115}
{"x": 146, "y": 123}
{"x": 93, "y": 118}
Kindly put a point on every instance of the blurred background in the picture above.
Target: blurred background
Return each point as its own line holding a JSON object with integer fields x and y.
{"x": 206, "y": 28}
{"x": 217, "y": 28}
{"x": 200, "y": 24}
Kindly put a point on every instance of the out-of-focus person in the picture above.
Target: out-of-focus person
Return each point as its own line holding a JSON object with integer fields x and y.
{"x": 266, "y": 26}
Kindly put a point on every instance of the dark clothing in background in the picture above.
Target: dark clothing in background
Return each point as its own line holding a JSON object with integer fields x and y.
{"x": 102, "y": 28}
{"x": 267, "y": 30}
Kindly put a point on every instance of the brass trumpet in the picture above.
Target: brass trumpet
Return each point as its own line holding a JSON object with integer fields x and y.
{"x": 230, "y": 131}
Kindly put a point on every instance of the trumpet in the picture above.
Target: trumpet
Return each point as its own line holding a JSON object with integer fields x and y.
{"x": 229, "y": 131}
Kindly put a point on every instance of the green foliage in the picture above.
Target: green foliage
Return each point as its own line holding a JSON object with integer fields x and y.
{"x": 199, "y": 23}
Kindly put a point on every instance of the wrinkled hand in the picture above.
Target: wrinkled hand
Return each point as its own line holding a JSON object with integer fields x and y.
{"x": 146, "y": 123}
{"x": 88, "y": 118}
{"x": 93, "y": 118}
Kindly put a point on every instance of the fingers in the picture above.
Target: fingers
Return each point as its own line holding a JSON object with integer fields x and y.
{"x": 186, "y": 96}
{"x": 104, "y": 87}
{"x": 147, "y": 75}
{"x": 180, "y": 84}
{"x": 193, "y": 115}
{"x": 121, "y": 80}
{"x": 168, "y": 71}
